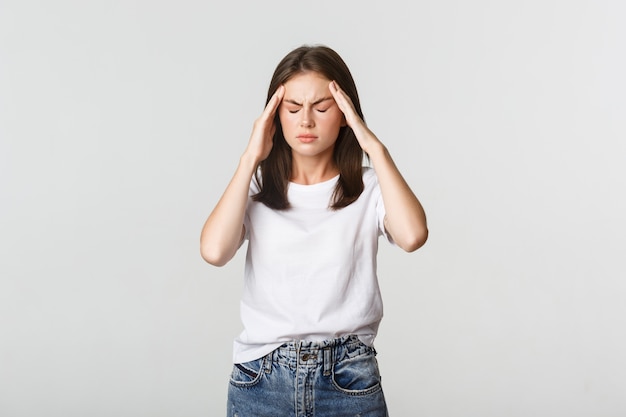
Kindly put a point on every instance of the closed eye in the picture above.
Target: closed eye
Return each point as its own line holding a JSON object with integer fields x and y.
{"x": 322, "y": 110}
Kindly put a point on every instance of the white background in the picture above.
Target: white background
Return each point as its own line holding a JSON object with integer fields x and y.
{"x": 121, "y": 123}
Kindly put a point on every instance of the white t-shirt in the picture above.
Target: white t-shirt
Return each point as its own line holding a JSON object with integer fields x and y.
{"x": 310, "y": 271}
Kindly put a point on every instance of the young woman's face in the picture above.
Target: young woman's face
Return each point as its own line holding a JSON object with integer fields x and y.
{"x": 309, "y": 115}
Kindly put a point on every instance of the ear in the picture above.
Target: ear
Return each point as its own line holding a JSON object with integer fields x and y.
{"x": 344, "y": 123}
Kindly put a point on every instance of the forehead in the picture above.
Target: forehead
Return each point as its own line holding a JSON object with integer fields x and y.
{"x": 307, "y": 86}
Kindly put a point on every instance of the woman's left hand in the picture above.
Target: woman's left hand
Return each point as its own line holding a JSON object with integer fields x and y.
{"x": 405, "y": 219}
{"x": 366, "y": 137}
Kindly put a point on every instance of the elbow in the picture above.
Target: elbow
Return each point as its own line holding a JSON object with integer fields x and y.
{"x": 414, "y": 241}
{"x": 214, "y": 257}
{"x": 218, "y": 251}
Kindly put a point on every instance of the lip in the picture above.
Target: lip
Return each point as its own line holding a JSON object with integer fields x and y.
{"x": 306, "y": 137}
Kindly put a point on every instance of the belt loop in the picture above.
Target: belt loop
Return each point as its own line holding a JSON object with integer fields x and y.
{"x": 267, "y": 363}
{"x": 328, "y": 365}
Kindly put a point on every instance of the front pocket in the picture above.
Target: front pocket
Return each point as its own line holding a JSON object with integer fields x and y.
{"x": 247, "y": 373}
{"x": 250, "y": 373}
{"x": 358, "y": 375}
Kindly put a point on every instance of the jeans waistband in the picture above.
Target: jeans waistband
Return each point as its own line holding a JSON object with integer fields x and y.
{"x": 305, "y": 353}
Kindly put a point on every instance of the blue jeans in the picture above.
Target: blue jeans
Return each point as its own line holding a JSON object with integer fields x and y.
{"x": 334, "y": 378}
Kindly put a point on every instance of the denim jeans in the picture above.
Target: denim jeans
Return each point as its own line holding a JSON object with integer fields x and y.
{"x": 334, "y": 378}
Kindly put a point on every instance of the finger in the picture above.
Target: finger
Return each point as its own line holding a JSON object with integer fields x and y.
{"x": 341, "y": 98}
{"x": 334, "y": 89}
{"x": 272, "y": 105}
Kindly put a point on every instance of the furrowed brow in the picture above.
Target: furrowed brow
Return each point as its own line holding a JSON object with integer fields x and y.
{"x": 316, "y": 102}
{"x": 321, "y": 100}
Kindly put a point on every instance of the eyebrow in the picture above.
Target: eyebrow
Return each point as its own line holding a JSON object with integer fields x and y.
{"x": 316, "y": 102}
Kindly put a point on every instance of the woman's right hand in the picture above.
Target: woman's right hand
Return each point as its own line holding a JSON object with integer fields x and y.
{"x": 223, "y": 231}
{"x": 261, "y": 139}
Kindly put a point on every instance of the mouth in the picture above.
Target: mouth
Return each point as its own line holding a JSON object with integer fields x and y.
{"x": 306, "y": 138}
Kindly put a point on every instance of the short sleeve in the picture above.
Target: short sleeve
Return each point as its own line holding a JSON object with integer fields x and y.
{"x": 253, "y": 190}
{"x": 377, "y": 197}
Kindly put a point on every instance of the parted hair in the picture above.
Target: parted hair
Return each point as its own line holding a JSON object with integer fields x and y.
{"x": 275, "y": 171}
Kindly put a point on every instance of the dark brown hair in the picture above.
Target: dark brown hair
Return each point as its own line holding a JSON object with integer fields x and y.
{"x": 275, "y": 170}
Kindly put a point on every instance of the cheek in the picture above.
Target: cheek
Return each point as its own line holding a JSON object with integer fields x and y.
{"x": 287, "y": 124}
{"x": 333, "y": 120}
{"x": 286, "y": 118}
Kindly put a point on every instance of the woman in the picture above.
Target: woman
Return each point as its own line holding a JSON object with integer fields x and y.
{"x": 312, "y": 215}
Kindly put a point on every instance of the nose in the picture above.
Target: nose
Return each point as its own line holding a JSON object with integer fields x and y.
{"x": 307, "y": 118}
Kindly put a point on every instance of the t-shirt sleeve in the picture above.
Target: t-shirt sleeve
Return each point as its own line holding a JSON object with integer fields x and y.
{"x": 254, "y": 189}
{"x": 380, "y": 212}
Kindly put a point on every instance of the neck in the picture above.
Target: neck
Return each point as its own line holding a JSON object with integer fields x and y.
{"x": 307, "y": 171}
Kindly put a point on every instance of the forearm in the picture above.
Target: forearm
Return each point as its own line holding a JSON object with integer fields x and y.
{"x": 223, "y": 230}
{"x": 405, "y": 219}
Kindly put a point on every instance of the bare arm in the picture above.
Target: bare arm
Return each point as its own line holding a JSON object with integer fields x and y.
{"x": 223, "y": 230}
{"x": 405, "y": 219}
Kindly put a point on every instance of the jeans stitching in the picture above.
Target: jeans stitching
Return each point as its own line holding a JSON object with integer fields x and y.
{"x": 255, "y": 380}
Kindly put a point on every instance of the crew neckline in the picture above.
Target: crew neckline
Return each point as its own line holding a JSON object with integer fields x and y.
{"x": 316, "y": 185}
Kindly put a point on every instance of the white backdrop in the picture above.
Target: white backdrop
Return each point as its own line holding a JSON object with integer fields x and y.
{"x": 121, "y": 123}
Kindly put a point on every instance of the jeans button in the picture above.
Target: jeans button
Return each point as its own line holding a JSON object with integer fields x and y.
{"x": 305, "y": 357}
